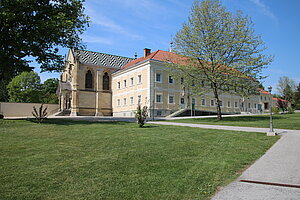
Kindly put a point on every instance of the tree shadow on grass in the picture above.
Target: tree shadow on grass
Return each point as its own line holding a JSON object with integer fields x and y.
{"x": 76, "y": 122}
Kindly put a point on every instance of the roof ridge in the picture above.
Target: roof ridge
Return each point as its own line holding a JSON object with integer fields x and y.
{"x": 102, "y": 53}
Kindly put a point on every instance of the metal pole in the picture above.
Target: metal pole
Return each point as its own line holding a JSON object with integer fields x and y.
{"x": 271, "y": 121}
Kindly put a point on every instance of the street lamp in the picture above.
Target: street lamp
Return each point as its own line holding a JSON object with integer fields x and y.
{"x": 271, "y": 132}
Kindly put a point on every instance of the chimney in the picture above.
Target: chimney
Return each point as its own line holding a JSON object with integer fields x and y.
{"x": 147, "y": 52}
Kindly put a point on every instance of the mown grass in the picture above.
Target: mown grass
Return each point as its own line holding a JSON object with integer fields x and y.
{"x": 281, "y": 121}
{"x": 88, "y": 160}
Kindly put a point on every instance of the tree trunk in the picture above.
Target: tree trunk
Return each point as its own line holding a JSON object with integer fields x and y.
{"x": 216, "y": 95}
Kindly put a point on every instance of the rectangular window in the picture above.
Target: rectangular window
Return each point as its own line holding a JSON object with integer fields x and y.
{"x": 118, "y": 102}
{"x": 203, "y": 102}
{"x": 171, "y": 99}
{"x": 181, "y": 81}
{"x": 131, "y": 100}
{"x": 193, "y": 101}
{"x": 228, "y": 104}
{"x": 221, "y": 103}
{"x": 249, "y": 105}
{"x": 124, "y": 101}
{"x": 182, "y": 100}
{"x": 235, "y": 104}
{"x": 119, "y": 85}
{"x": 158, "y": 98}
{"x": 139, "y": 99}
{"x": 170, "y": 79}
{"x": 255, "y": 105}
{"x": 212, "y": 102}
{"x": 125, "y": 83}
{"x": 158, "y": 77}
{"x": 140, "y": 78}
{"x": 131, "y": 81}
{"x": 158, "y": 113}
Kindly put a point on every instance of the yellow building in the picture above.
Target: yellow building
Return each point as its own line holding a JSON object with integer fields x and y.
{"x": 85, "y": 85}
{"x": 103, "y": 85}
{"x": 146, "y": 81}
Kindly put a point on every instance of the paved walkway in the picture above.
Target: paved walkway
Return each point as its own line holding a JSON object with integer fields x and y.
{"x": 275, "y": 176}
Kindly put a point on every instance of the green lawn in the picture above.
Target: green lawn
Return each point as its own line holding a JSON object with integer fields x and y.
{"x": 282, "y": 121}
{"x": 88, "y": 160}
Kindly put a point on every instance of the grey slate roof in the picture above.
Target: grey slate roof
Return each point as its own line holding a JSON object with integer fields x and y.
{"x": 101, "y": 59}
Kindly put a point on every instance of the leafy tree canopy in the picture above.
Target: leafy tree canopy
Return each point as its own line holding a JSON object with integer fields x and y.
{"x": 25, "y": 88}
{"x": 224, "y": 53}
{"x": 36, "y": 28}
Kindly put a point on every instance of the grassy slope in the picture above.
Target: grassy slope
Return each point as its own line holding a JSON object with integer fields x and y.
{"x": 285, "y": 121}
{"x": 82, "y": 160}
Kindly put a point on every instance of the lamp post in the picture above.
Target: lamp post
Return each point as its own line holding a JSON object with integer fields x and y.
{"x": 271, "y": 132}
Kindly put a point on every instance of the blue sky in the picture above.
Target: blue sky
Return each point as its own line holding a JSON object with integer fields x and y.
{"x": 123, "y": 27}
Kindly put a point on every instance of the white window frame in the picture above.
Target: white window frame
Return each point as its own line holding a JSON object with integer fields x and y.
{"x": 212, "y": 101}
{"x": 131, "y": 81}
{"x": 124, "y": 101}
{"x": 125, "y": 83}
{"x": 228, "y": 104}
{"x": 221, "y": 102}
{"x": 160, "y": 77}
{"x": 181, "y": 102}
{"x": 118, "y": 102}
{"x": 203, "y": 100}
{"x": 236, "y": 104}
{"x": 161, "y": 98}
{"x": 119, "y": 85}
{"x": 131, "y": 101}
{"x": 170, "y": 79}
{"x": 139, "y": 79}
{"x": 139, "y": 99}
{"x": 173, "y": 99}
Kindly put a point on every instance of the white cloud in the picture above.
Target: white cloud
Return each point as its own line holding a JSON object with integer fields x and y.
{"x": 264, "y": 9}
{"x": 108, "y": 24}
{"x": 96, "y": 39}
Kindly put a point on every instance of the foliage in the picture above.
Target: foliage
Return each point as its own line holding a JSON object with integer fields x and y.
{"x": 141, "y": 115}
{"x": 35, "y": 29}
{"x": 49, "y": 88}
{"x": 117, "y": 160}
{"x": 297, "y": 97}
{"x": 275, "y": 110}
{"x": 291, "y": 110}
{"x": 41, "y": 114}
{"x": 221, "y": 51}
{"x": 1, "y": 116}
{"x": 285, "y": 86}
{"x": 25, "y": 88}
{"x": 283, "y": 105}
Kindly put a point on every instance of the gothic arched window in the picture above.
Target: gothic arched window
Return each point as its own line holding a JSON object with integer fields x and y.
{"x": 89, "y": 79}
{"x": 105, "y": 81}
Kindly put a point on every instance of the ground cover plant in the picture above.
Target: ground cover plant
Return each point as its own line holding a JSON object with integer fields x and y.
{"x": 116, "y": 160}
{"x": 281, "y": 121}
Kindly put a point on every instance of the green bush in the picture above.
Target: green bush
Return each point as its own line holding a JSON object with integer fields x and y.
{"x": 291, "y": 110}
{"x": 141, "y": 115}
{"x": 275, "y": 110}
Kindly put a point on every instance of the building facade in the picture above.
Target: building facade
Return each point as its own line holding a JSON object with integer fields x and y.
{"x": 103, "y": 85}
{"x": 146, "y": 81}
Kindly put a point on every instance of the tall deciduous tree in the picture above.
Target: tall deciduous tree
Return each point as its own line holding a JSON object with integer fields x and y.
{"x": 285, "y": 85}
{"x": 222, "y": 49}
{"x": 25, "y": 88}
{"x": 36, "y": 28}
{"x": 49, "y": 88}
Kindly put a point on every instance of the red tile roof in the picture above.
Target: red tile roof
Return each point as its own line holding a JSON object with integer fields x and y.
{"x": 276, "y": 99}
{"x": 160, "y": 55}
{"x": 264, "y": 92}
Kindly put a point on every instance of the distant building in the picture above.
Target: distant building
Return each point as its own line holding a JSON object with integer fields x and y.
{"x": 102, "y": 84}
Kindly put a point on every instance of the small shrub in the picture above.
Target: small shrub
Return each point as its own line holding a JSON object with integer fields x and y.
{"x": 275, "y": 110}
{"x": 141, "y": 115}
{"x": 1, "y": 116}
{"x": 41, "y": 114}
{"x": 291, "y": 110}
